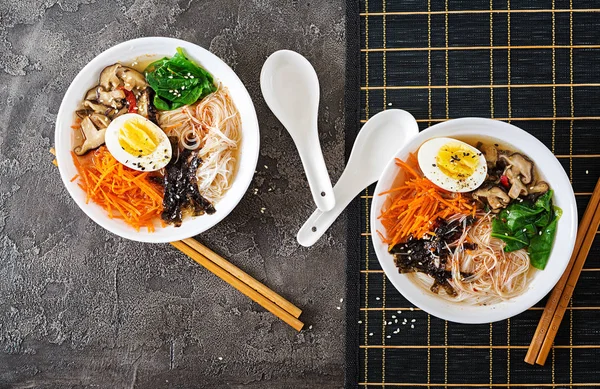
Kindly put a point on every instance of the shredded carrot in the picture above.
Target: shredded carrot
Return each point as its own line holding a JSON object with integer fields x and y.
{"x": 124, "y": 193}
{"x": 416, "y": 204}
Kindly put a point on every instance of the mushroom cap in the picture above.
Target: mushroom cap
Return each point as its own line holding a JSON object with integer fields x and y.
{"x": 491, "y": 154}
{"x": 132, "y": 79}
{"x": 112, "y": 98}
{"x": 93, "y": 137}
{"x": 517, "y": 188}
{"x": 98, "y": 108}
{"x": 539, "y": 187}
{"x": 522, "y": 166}
{"x": 495, "y": 196}
{"x": 108, "y": 77}
{"x": 99, "y": 120}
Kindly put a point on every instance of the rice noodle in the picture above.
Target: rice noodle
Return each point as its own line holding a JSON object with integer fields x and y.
{"x": 213, "y": 127}
{"x": 492, "y": 274}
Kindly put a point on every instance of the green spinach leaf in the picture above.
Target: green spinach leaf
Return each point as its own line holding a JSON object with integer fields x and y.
{"x": 529, "y": 225}
{"x": 541, "y": 244}
{"x": 514, "y": 240}
{"x": 520, "y": 214}
{"x": 177, "y": 81}
{"x": 545, "y": 201}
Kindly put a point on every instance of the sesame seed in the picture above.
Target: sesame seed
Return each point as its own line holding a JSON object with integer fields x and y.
{"x": 412, "y": 326}
{"x": 338, "y": 308}
{"x": 220, "y": 358}
{"x": 310, "y": 327}
{"x": 377, "y": 298}
{"x": 341, "y": 300}
{"x": 413, "y": 320}
{"x": 389, "y": 336}
{"x": 262, "y": 210}
{"x": 399, "y": 311}
{"x": 360, "y": 322}
{"x": 411, "y": 308}
{"x": 393, "y": 316}
{"x": 587, "y": 172}
{"x": 370, "y": 334}
{"x": 389, "y": 323}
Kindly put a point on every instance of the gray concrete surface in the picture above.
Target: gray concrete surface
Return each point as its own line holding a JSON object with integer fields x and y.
{"x": 82, "y": 308}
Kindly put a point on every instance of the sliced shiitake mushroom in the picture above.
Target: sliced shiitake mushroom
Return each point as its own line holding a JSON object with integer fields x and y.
{"x": 145, "y": 105}
{"x": 112, "y": 98}
{"x": 540, "y": 187}
{"x": 83, "y": 113}
{"x": 495, "y": 197}
{"x": 91, "y": 94}
{"x": 132, "y": 79}
{"x": 116, "y": 113}
{"x": 93, "y": 137}
{"x": 108, "y": 77}
{"x": 517, "y": 187}
{"x": 491, "y": 154}
{"x": 98, "y": 108}
{"x": 99, "y": 120}
{"x": 521, "y": 166}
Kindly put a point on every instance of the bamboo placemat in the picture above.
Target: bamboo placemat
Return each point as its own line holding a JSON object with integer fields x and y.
{"x": 535, "y": 64}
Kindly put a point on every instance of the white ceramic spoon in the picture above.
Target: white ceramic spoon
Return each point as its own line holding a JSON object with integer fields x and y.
{"x": 377, "y": 142}
{"x": 290, "y": 87}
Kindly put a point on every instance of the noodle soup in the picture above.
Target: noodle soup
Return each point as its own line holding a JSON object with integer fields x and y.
{"x": 156, "y": 141}
{"x": 469, "y": 220}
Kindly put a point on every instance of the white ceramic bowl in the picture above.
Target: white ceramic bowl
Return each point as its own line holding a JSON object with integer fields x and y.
{"x": 129, "y": 51}
{"x": 543, "y": 281}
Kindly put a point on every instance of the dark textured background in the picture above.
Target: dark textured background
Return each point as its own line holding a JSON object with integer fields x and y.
{"x": 80, "y": 307}
{"x": 552, "y": 94}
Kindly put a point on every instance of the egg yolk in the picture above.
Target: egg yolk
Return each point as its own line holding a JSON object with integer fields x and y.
{"x": 137, "y": 139}
{"x": 456, "y": 161}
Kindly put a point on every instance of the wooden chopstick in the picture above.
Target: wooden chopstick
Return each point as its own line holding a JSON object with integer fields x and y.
{"x": 240, "y": 285}
{"x": 244, "y": 277}
{"x": 568, "y": 291}
{"x": 556, "y": 305}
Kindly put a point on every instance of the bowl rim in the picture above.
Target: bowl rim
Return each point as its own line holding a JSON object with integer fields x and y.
{"x": 454, "y": 312}
{"x": 250, "y": 135}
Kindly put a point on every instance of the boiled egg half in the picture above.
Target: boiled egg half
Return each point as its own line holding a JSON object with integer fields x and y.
{"x": 138, "y": 143}
{"x": 452, "y": 164}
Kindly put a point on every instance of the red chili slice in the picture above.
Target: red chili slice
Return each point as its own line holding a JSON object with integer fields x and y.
{"x": 131, "y": 101}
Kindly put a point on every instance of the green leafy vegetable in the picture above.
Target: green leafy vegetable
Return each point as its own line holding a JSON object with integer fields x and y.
{"x": 518, "y": 215}
{"x": 545, "y": 201}
{"x": 529, "y": 225}
{"x": 541, "y": 244}
{"x": 177, "y": 81}
{"x": 514, "y": 240}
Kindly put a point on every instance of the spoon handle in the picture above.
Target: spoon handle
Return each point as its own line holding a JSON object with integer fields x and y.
{"x": 316, "y": 173}
{"x": 319, "y": 222}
